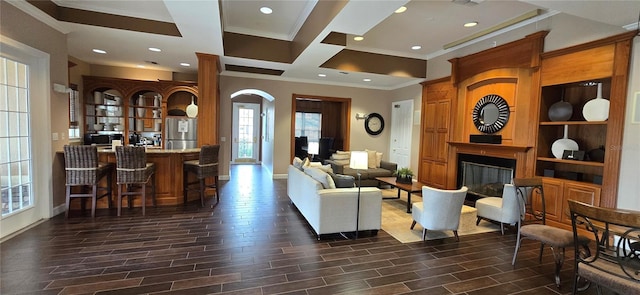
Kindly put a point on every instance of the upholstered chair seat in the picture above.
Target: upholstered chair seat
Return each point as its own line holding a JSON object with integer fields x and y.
{"x": 504, "y": 210}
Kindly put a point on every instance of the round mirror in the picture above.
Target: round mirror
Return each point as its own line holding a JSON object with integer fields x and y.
{"x": 491, "y": 113}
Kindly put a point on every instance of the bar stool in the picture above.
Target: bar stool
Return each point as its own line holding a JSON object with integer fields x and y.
{"x": 205, "y": 167}
{"x": 132, "y": 170}
{"x": 83, "y": 169}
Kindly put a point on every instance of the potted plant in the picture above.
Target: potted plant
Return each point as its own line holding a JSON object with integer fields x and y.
{"x": 404, "y": 175}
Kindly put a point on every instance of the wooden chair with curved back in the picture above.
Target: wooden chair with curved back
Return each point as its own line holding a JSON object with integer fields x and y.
{"x": 532, "y": 223}
{"x": 613, "y": 259}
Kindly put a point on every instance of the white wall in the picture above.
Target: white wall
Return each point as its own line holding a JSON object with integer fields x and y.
{"x": 362, "y": 101}
{"x": 629, "y": 185}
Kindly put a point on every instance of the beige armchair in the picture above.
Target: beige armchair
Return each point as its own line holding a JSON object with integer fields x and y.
{"x": 503, "y": 210}
{"x": 439, "y": 210}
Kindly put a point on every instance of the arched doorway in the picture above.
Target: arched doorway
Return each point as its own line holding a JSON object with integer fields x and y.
{"x": 251, "y": 126}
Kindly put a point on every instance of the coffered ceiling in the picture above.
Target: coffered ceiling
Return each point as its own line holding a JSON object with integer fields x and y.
{"x": 300, "y": 40}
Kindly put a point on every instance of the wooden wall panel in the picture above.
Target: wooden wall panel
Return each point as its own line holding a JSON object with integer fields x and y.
{"x": 594, "y": 63}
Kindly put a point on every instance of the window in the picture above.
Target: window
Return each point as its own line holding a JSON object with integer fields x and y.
{"x": 309, "y": 125}
{"x": 15, "y": 146}
{"x": 74, "y": 113}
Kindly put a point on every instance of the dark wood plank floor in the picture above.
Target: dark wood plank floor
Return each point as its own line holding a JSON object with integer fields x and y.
{"x": 256, "y": 242}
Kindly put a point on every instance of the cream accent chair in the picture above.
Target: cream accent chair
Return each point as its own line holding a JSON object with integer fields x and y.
{"x": 503, "y": 210}
{"x": 439, "y": 210}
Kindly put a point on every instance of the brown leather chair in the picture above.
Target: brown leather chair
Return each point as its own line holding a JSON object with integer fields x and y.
{"x": 133, "y": 172}
{"x": 205, "y": 167}
{"x": 82, "y": 169}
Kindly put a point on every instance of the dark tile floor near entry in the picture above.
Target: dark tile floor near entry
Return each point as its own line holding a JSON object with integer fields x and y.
{"x": 255, "y": 242}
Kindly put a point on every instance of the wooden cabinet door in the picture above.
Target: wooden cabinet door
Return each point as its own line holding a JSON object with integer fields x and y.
{"x": 582, "y": 192}
{"x": 439, "y": 175}
{"x": 424, "y": 174}
{"x": 429, "y": 150}
{"x": 434, "y": 174}
{"x": 553, "y": 192}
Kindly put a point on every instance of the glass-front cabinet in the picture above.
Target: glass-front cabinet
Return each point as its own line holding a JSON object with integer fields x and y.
{"x": 105, "y": 112}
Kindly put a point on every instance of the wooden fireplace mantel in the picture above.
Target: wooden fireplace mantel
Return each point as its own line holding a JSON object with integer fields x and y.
{"x": 496, "y": 150}
{"x": 519, "y": 153}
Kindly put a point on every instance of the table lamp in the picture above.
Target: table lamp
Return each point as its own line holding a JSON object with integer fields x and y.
{"x": 358, "y": 161}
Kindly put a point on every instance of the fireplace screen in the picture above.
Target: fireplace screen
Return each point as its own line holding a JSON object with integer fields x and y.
{"x": 485, "y": 180}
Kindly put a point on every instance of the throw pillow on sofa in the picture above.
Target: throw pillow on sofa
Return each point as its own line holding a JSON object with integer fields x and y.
{"x": 343, "y": 181}
{"x": 341, "y": 157}
{"x": 323, "y": 177}
{"x": 371, "y": 158}
{"x": 297, "y": 162}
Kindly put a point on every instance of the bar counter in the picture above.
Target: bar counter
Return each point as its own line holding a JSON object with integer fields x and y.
{"x": 168, "y": 174}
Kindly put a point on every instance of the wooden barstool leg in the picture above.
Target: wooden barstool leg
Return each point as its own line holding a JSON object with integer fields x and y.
{"x": 144, "y": 198}
{"x": 217, "y": 189}
{"x": 109, "y": 188}
{"x": 153, "y": 191}
{"x": 203, "y": 187}
{"x": 119, "y": 198}
{"x": 94, "y": 199}
{"x": 66, "y": 214}
{"x": 185, "y": 185}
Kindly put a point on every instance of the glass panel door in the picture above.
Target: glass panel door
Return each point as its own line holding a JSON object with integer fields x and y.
{"x": 15, "y": 156}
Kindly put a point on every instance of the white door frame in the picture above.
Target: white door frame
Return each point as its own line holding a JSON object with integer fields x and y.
{"x": 236, "y": 129}
{"x": 40, "y": 137}
{"x": 401, "y": 131}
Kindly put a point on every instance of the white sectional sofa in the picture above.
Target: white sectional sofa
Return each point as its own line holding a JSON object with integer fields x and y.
{"x": 333, "y": 210}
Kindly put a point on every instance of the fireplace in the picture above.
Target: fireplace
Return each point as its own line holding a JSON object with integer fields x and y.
{"x": 484, "y": 176}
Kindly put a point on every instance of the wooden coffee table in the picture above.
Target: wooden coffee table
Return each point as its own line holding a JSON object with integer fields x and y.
{"x": 414, "y": 187}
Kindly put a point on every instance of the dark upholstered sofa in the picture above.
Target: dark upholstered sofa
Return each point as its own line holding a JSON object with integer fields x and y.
{"x": 368, "y": 176}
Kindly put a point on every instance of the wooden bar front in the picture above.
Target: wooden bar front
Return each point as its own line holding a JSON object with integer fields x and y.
{"x": 168, "y": 174}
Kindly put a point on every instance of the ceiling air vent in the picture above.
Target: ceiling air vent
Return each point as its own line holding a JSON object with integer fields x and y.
{"x": 467, "y": 2}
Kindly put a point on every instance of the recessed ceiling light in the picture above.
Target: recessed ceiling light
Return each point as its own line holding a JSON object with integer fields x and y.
{"x": 322, "y": 75}
{"x": 154, "y": 49}
{"x": 416, "y": 47}
{"x": 266, "y": 10}
{"x": 184, "y": 64}
{"x": 401, "y": 9}
{"x": 470, "y": 24}
{"x": 358, "y": 38}
{"x": 140, "y": 66}
{"x": 99, "y": 51}
{"x": 366, "y": 80}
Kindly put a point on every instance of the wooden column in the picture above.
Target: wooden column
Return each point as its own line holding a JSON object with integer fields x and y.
{"x": 208, "y": 99}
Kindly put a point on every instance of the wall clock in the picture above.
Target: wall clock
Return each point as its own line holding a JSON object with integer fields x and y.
{"x": 374, "y": 124}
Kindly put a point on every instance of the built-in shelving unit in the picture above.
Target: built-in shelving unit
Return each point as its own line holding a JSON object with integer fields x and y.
{"x": 136, "y": 107}
{"x": 573, "y": 75}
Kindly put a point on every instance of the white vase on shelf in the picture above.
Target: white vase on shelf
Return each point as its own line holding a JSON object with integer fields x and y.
{"x": 139, "y": 125}
{"x": 97, "y": 97}
{"x": 157, "y": 99}
{"x": 141, "y": 111}
{"x": 596, "y": 109}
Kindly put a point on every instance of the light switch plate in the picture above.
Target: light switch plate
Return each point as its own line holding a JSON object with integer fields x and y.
{"x": 54, "y": 136}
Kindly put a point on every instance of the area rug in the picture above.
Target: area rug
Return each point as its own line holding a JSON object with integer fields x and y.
{"x": 397, "y": 222}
